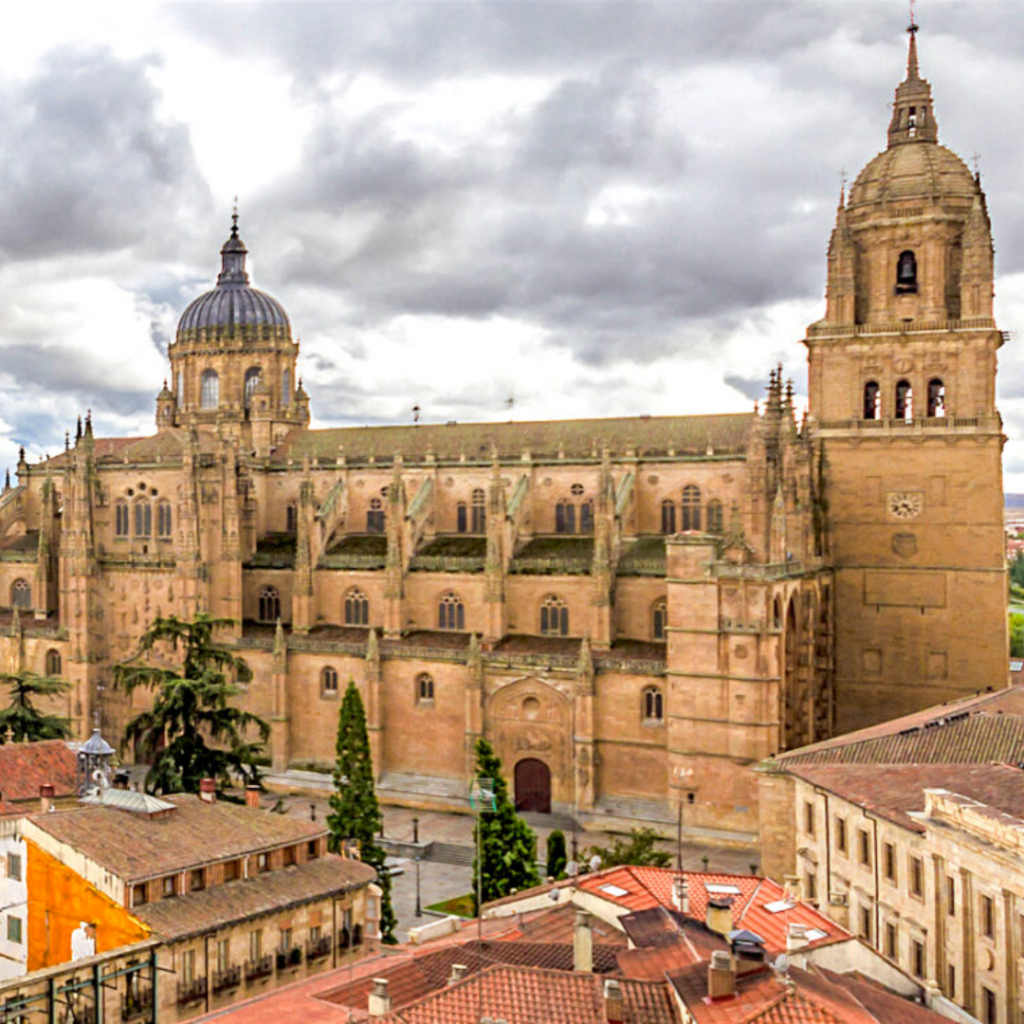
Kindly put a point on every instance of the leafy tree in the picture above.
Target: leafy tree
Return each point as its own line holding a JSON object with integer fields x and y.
{"x": 1017, "y": 569}
{"x": 355, "y": 813}
{"x": 191, "y": 704}
{"x": 506, "y": 843}
{"x": 1016, "y": 635}
{"x": 21, "y": 716}
{"x": 557, "y": 858}
{"x": 639, "y": 850}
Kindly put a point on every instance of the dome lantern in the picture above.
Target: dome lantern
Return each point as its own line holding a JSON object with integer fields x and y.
{"x": 913, "y": 116}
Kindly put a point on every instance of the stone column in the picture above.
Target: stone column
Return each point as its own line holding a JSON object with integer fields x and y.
{"x": 583, "y": 731}
{"x": 968, "y": 938}
{"x": 279, "y": 731}
{"x": 374, "y": 716}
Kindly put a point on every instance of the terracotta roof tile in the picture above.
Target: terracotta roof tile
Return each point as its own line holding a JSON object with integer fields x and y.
{"x": 196, "y": 912}
{"x": 135, "y": 847}
{"x": 24, "y": 767}
{"x": 557, "y": 924}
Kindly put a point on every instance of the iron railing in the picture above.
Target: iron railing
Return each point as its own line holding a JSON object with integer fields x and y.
{"x": 190, "y": 991}
{"x": 259, "y": 968}
{"x": 230, "y": 977}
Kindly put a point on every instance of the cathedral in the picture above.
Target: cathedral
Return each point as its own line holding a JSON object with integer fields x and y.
{"x": 634, "y": 610}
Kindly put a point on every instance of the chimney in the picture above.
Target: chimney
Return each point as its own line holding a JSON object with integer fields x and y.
{"x": 796, "y": 940}
{"x": 252, "y": 797}
{"x": 378, "y": 1003}
{"x": 208, "y": 791}
{"x": 719, "y": 919}
{"x": 458, "y": 973}
{"x": 721, "y": 976}
{"x": 614, "y": 1007}
{"x": 46, "y": 792}
{"x": 681, "y": 894}
{"x": 582, "y": 944}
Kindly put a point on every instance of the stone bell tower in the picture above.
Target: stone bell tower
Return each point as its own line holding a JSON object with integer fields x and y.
{"x": 902, "y": 376}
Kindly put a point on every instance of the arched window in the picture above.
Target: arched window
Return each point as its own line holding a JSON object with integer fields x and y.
{"x": 252, "y": 379}
{"x": 668, "y": 516}
{"x": 270, "y": 604}
{"x": 21, "y": 594}
{"x": 653, "y": 705}
{"x": 565, "y": 517}
{"x": 357, "y": 608}
{"x": 163, "y": 519}
{"x": 424, "y": 689}
{"x": 936, "y": 398}
{"x": 904, "y": 401}
{"x": 906, "y": 272}
{"x": 329, "y": 680}
{"x": 554, "y": 617}
{"x": 286, "y": 388}
{"x": 479, "y": 511}
{"x": 462, "y": 522}
{"x": 53, "y": 662}
{"x": 715, "y": 521}
{"x": 587, "y": 517}
{"x": 375, "y": 516}
{"x": 691, "y": 507}
{"x": 451, "y": 613}
{"x": 872, "y": 401}
{"x": 121, "y": 519}
{"x": 659, "y": 619}
{"x": 209, "y": 390}
{"x": 777, "y": 613}
{"x": 143, "y": 519}
{"x": 291, "y": 517}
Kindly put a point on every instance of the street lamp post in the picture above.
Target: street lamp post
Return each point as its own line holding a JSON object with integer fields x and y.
{"x": 419, "y": 908}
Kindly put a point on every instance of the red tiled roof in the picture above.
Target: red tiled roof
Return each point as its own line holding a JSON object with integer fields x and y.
{"x": 529, "y": 995}
{"x": 24, "y": 767}
{"x": 557, "y": 924}
{"x": 892, "y": 791}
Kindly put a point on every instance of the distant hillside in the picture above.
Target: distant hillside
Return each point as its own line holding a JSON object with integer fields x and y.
{"x": 1013, "y": 501}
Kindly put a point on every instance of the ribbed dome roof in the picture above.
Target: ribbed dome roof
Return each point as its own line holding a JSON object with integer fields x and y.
{"x": 234, "y": 302}
{"x": 922, "y": 170}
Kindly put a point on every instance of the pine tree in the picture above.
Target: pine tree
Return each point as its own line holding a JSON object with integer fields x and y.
{"x": 24, "y": 720}
{"x": 191, "y": 704}
{"x": 506, "y": 844}
{"x": 557, "y": 858}
{"x": 355, "y": 813}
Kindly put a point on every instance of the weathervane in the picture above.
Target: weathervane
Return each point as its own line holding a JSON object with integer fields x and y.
{"x": 912, "y": 27}
{"x": 416, "y": 414}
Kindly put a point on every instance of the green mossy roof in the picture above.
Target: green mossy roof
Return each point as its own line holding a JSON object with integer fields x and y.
{"x": 361, "y": 544}
{"x": 455, "y": 547}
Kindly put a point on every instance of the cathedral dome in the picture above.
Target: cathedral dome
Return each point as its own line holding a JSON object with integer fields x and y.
{"x": 924, "y": 170}
{"x": 234, "y": 304}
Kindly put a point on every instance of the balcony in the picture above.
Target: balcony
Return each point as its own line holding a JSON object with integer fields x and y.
{"x": 318, "y": 948}
{"x": 287, "y": 958}
{"x": 230, "y": 977}
{"x": 137, "y": 1002}
{"x": 261, "y": 967}
{"x": 191, "y": 991}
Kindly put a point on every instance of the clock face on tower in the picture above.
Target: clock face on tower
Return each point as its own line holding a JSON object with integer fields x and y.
{"x": 904, "y": 504}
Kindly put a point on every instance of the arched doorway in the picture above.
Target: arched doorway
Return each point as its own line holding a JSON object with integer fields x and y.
{"x": 533, "y": 786}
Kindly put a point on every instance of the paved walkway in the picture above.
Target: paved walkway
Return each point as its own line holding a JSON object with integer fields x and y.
{"x": 444, "y": 881}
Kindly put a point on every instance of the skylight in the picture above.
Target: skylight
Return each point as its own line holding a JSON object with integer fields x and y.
{"x": 723, "y": 890}
{"x": 778, "y": 906}
{"x": 813, "y": 934}
{"x": 614, "y": 890}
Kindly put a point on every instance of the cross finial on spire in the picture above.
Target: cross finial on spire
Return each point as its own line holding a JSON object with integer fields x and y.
{"x": 234, "y": 219}
{"x": 912, "y": 29}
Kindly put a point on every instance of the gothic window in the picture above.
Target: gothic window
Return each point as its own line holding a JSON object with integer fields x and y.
{"x": 21, "y": 594}
{"x": 653, "y": 705}
{"x": 659, "y": 619}
{"x": 554, "y": 617}
{"x": 691, "y": 507}
{"x": 270, "y": 605}
{"x": 872, "y": 401}
{"x": 424, "y": 688}
{"x": 252, "y": 379}
{"x": 906, "y": 273}
{"x": 329, "y": 680}
{"x": 479, "y": 511}
{"x": 286, "y": 388}
{"x": 163, "y": 519}
{"x": 209, "y": 390}
{"x": 777, "y": 614}
{"x": 565, "y": 517}
{"x": 357, "y": 609}
{"x": 715, "y": 523}
{"x": 462, "y": 523}
{"x": 451, "y": 612}
{"x": 936, "y": 398}
{"x": 375, "y": 517}
{"x": 291, "y": 518}
{"x": 143, "y": 519}
{"x": 904, "y": 401}
{"x": 587, "y": 517}
{"x": 53, "y": 662}
{"x": 121, "y": 519}
{"x": 668, "y": 516}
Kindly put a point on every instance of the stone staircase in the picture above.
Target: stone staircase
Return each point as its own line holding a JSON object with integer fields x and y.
{"x": 551, "y": 821}
{"x": 450, "y": 853}
{"x": 635, "y": 809}
{"x": 424, "y": 790}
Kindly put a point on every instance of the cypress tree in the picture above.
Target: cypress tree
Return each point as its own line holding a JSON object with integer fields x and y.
{"x": 355, "y": 813}
{"x": 507, "y": 846}
{"x": 557, "y": 858}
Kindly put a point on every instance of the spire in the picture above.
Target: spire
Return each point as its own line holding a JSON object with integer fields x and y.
{"x": 913, "y": 119}
{"x": 232, "y": 256}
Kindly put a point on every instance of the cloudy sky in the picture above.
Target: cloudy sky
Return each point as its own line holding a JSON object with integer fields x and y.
{"x": 596, "y": 208}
